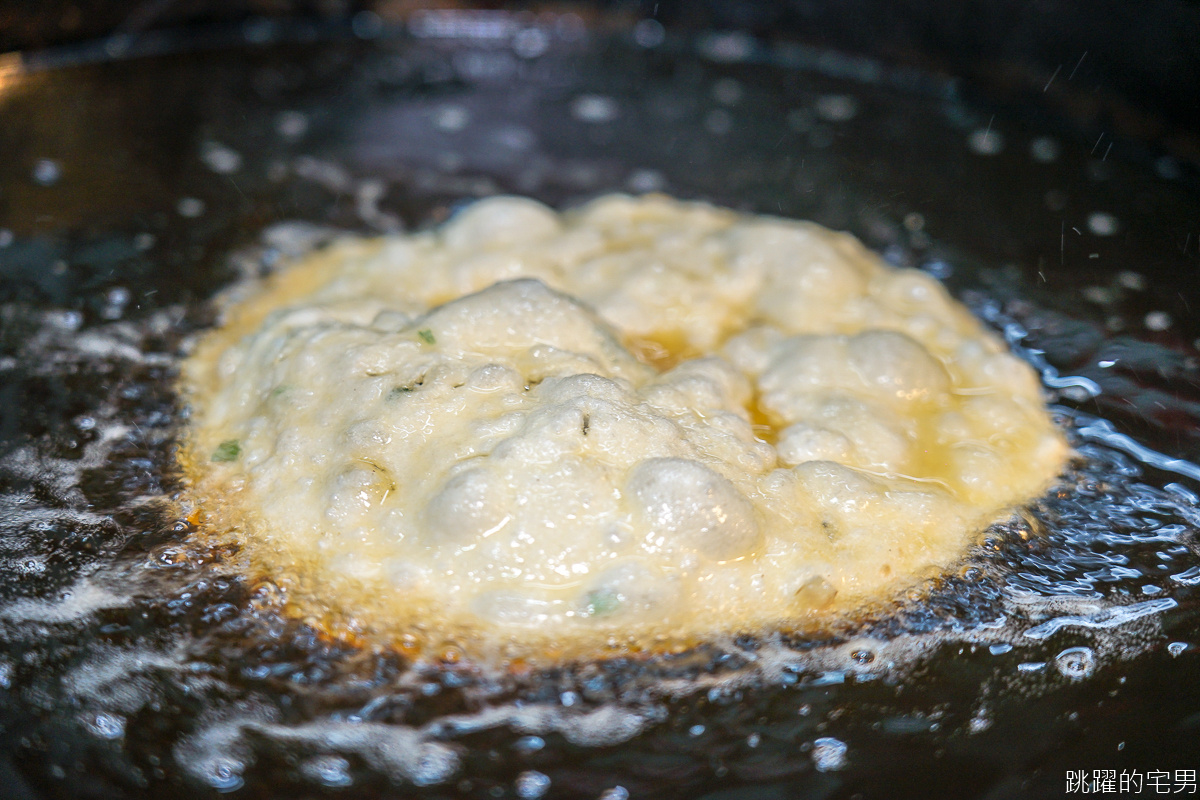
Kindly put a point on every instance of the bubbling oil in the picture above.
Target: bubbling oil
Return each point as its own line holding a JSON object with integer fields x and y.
{"x": 134, "y": 649}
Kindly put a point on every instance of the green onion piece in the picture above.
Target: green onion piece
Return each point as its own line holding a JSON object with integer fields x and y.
{"x": 601, "y": 602}
{"x": 426, "y": 336}
{"x": 227, "y": 450}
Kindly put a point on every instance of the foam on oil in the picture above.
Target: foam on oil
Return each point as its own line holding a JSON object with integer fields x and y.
{"x": 110, "y": 619}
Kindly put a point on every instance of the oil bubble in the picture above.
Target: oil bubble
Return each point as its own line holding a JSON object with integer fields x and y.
{"x": 366, "y": 25}
{"x": 1076, "y": 663}
{"x": 829, "y": 754}
{"x": 1134, "y": 281}
{"x": 291, "y": 124}
{"x": 1102, "y": 223}
{"x": 451, "y": 118}
{"x": 985, "y": 142}
{"x": 718, "y": 122}
{"x": 1158, "y": 321}
{"x": 224, "y": 774}
{"x": 46, "y": 172}
{"x": 837, "y": 107}
{"x": 1167, "y": 168}
{"x": 532, "y": 784}
{"x": 643, "y": 181}
{"x": 105, "y": 726}
{"x": 220, "y": 158}
{"x": 531, "y": 42}
{"x": 649, "y": 33}
{"x": 594, "y": 109}
{"x": 529, "y": 744}
{"x": 727, "y": 48}
{"x": 727, "y": 92}
{"x": 1044, "y": 149}
{"x": 333, "y": 771}
{"x": 1177, "y": 648}
{"x": 190, "y": 207}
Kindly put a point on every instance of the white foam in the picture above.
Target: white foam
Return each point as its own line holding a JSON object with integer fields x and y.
{"x": 83, "y": 599}
{"x": 116, "y": 677}
{"x": 1105, "y": 618}
{"x": 400, "y": 752}
{"x": 217, "y": 754}
{"x": 603, "y": 726}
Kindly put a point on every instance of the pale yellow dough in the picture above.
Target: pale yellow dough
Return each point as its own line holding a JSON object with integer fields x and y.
{"x": 641, "y": 419}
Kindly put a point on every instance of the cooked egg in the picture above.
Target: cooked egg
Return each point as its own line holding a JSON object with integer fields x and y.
{"x": 643, "y": 420}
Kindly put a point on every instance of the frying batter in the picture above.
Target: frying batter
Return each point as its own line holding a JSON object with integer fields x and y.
{"x": 640, "y": 419}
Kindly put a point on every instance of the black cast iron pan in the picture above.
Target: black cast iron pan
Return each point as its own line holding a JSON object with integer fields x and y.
{"x": 141, "y": 175}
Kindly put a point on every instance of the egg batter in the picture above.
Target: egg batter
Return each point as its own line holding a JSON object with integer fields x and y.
{"x": 641, "y": 420}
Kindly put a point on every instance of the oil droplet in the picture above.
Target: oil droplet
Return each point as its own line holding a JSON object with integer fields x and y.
{"x": 1158, "y": 321}
{"x": 1044, "y": 149}
{"x": 451, "y": 118}
{"x": 529, "y": 744}
{"x": 829, "y": 754}
{"x": 985, "y": 142}
{"x": 224, "y": 774}
{"x": 837, "y": 107}
{"x": 46, "y": 172}
{"x": 1076, "y": 663}
{"x": 727, "y": 92}
{"x": 220, "y": 158}
{"x": 366, "y": 25}
{"x": 532, "y": 784}
{"x": 646, "y": 180}
{"x": 649, "y": 33}
{"x": 333, "y": 771}
{"x": 106, "y": 726}
{"x": 718, "y": 122}
{"x": 291, "y": 124}
{"x": 190, "y": 207}
{"x": 727, "y": 48}
{"x": 1177, "y": 648}
{"x": 1102, "y": 223}
{"x": 594, "y": 109}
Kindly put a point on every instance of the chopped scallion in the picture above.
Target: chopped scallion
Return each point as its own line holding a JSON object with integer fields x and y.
{"x": 227, "y": 450}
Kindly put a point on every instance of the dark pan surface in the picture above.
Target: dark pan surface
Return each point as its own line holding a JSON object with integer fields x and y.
{"x": 134, "y": 188}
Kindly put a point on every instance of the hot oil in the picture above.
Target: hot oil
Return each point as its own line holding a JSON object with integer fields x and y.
{"x": 666, "y": 349}
{"x": 661, "y": 350}
{"x": 135, "y": 648}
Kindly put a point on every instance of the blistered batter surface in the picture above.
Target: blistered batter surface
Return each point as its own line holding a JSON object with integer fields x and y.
{"x": 643, "y": 418}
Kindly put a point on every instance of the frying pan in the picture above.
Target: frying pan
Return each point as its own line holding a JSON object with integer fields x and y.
{"x": 142, "y": 175}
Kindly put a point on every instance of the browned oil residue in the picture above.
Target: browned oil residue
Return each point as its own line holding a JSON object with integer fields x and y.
{"x": 766, "y": 429}
{"x": 661, "y": 349}
{"x": 666, "y": 349}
